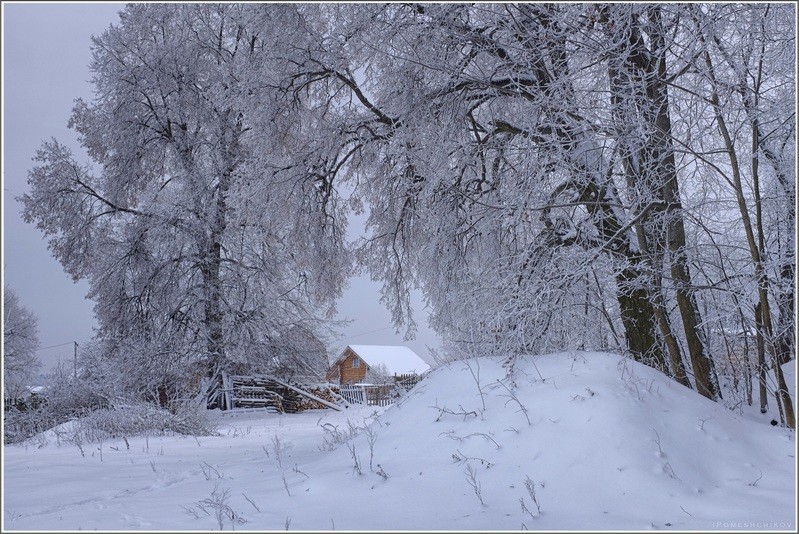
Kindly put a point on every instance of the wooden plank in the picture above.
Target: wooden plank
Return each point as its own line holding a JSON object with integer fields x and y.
{"x": 227, "y": 389}
{"x": 309, "y": 395}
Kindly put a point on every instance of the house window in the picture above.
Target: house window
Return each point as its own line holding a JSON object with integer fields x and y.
{"x": 356, "y": 362}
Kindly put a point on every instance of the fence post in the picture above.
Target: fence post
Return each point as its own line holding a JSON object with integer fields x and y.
{"x": 227, "y": 388}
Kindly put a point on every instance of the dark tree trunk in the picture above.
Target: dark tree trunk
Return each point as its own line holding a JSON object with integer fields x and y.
{"x": 637, "y": 317}
{"x": 761, "y": 359}
{"x": 212, "y": 277}
{"x": 786, "y": 323}
{"x": 563, "y": 131}
{"x": 640, "y": 99}
{"x": 664, "y": 166}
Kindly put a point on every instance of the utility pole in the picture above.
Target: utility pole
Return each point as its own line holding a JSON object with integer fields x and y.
{"x": 75, "y": 361}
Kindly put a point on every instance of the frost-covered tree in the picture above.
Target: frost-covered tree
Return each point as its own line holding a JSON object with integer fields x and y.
{"x": 526, "y": 167}
{"x": 741, "y": 84}
{"x": 297, "y": 354}
{"x": 20, "y": 342}
{"x": 378, "y": 374}
{"x": 201, "y": 229}
{"x": 482, "y": 170}
{"x": 639, "y": 89}
{"x": 549, "y": 175}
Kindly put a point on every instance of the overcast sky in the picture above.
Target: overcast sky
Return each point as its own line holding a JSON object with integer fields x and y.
{"x": 45, "y": 67}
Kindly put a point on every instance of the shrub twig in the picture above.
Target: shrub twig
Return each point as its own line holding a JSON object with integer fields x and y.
{"x": 471, "y": 478}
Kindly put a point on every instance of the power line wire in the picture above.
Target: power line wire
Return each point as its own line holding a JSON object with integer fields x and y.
{"x": 364, "y": 333}
{"x": 54, "y": 346}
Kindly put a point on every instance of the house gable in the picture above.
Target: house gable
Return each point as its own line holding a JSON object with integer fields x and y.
{"x": 348, "y": 368}
{"x": 397, "y": 360}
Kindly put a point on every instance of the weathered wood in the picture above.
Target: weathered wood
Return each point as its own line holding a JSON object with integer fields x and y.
{"x": 227, "y": 392}
{"x": 343, "y": 371}
{"x": 309, "y": 395}
{"x": 371, "y": 395}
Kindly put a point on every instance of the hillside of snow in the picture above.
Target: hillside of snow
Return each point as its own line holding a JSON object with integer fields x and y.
{"x": 571, "y": 441}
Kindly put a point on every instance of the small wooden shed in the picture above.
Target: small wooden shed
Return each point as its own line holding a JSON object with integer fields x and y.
{"x": 355, "y": 361}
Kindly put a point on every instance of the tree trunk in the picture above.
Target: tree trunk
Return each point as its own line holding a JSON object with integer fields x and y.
{"x": 212, "y": 273}
{"x": 761, "y": 359}
{"x": 666, "y": 171}
{"x": 653, "y": 282}
{"x": 593, "y": 189}
{"x": 215, "y": 345}
{"x": 636, "y": 315}
{"x": 640, "y": 100}
{"x": 784, "y": 402}
{"x": 786, "y": 323}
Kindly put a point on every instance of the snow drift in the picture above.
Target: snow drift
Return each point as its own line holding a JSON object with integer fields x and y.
{"x": 568, "y": 441}
{"x": 609, "y": 444}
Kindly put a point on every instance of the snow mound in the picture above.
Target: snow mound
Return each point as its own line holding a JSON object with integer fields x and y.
{"x": 607, "y": 442}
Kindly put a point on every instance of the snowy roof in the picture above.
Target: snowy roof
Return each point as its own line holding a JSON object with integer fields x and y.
{"x": 397, "y": 359}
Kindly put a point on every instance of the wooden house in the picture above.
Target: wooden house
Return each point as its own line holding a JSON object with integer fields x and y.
{"x": 366, "y": 363}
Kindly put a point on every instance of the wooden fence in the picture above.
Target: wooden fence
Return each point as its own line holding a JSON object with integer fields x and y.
{"x": 407, "y": 381}
{"x": 370, "y": 395}
{"x": 23, "y": 404}
{"x": 379, "y": 395}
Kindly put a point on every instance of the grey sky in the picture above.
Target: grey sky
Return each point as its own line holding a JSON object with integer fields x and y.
{"x": 45, "y": 67}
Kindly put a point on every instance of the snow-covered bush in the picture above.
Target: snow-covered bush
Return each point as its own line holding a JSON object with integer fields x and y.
{"x": 99, "y": 414}
{"x": 19, "y": 425}
{"x": 142, "y": 419}
{"x": 334, "y": 436}
{"x": 64, "y": 398}
{"x": 67, "y": 395}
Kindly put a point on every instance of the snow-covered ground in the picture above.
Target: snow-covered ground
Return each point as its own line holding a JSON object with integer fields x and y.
{"x": 599, "y": 441}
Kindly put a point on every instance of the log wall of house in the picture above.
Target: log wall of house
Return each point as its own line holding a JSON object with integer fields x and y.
{"x": 349, "y": 374}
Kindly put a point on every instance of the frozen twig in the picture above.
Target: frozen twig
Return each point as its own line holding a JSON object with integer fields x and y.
{"x": 451, "y": 434}
{"x": 754, "y": 483}
{"x": 657, "y": 440}
{"x": 459, "y": 457}
{"x": 471, "y": 478}
{"x": 251, "y": 502}
{"x": 277, "y": 447}
{"x": 512, "y": 397}
{"x": 285, "y": 483}
{"x": 371, "y": 437}
{"x": 530, "y": 485}
{"x": 445, "y": 410}
{"x": 297, "y": 470}
{"x": 356, "y": 462}
{"x": 476, "y": 377}
{"x": 208, "y": 469}
{"x": 382, "y": 472}
{"x": 218, "y": 502}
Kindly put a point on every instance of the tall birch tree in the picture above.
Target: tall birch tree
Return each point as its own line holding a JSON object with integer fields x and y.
{"x": 201, "y": 239}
